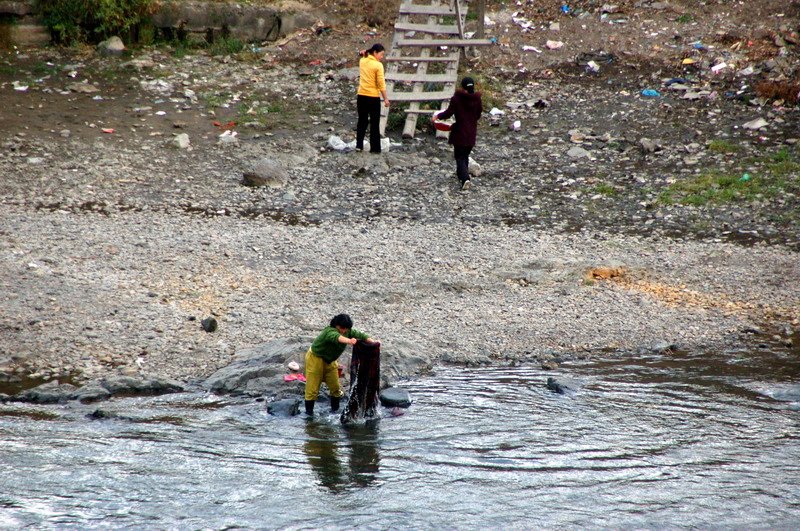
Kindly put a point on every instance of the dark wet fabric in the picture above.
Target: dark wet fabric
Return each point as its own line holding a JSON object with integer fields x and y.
{"x": 365, "y": 381}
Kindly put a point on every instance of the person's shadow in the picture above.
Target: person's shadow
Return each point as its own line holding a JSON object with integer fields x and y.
{"x": 327, "y": 444}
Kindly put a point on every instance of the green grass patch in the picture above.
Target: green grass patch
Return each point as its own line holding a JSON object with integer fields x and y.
{"x": 723, "y": 146}
{"x": 686, "y": 18}
{"x": 605, "y": 189}
{"x": 396, "y": 119}
{"x": 41, "y": 69}
{"x": 763, "y": 177}
{"x": 276, "y": 113}
{"x": 213, "y": 100}
{"x": 225, "y": 46}
{"x": 711, "y": 187}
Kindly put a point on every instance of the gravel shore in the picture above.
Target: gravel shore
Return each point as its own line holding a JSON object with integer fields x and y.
{"x": 579, "y": 236}
{"x": 96, "y": 294}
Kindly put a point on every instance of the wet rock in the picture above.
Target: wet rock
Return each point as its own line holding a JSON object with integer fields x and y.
{"x": 265, "y": 361}
{"x": 265, "y": 386}
{"x": 48, "y": 393}
{"x": 395, "y": 397}
{"x": 563, "y": 385}
{"x": 129, "y": 385}
{"x": 288, "y": 407}
{"x": 660, "y": 347}
{"x": 91, "y": 392}
{"x": 102, "y": 414}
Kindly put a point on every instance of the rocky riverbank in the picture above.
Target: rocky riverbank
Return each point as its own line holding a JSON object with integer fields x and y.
{"x": 607, "y": 221}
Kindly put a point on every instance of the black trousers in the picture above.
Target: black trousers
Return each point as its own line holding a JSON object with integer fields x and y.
{"x": 369, "y": 112}
{"x": 461, "y": 154}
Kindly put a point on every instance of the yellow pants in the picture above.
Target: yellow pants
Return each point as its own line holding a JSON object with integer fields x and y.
{"x": 317, "y": 371}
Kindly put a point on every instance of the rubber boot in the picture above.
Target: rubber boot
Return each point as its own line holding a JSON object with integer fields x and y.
{"x": 334, "y": 404}
{"x": 309, "y": 408}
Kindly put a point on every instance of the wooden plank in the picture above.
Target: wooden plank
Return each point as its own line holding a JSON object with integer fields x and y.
{"x": 390, "y": 68}
{"x": 421, "y": 96}
{"x": 459, "y": 20}
{"x": 426, "y": 28}
{"x": 452, "y": 70}
{"x": 419, "y": 59}
{"x": 444, "y": 42}
{"x": 422, "y": 111}
{"x": 410, "y": 125}
{"x": 414, "y": 9}
{"x": 423, "y": 78}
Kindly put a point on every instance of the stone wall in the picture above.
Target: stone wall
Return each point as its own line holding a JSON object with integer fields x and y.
{"x": 195, "y": 20}
{"x": 19, "y": 26}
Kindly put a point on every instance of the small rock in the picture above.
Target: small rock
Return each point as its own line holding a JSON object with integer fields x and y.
{"x": 577, "y": 152}
{"x": 755, "y": 125}
{"x": 111, "y": 46}
{"x": 181, "y": 141}
{"x": 209, "y": 324}
{"x": 395, "y": 397}
{"x": 266, "y": 172}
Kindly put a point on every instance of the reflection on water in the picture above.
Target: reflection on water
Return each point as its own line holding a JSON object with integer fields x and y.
{"x": 328, "y": 447}
{"x": 675, "y": 440}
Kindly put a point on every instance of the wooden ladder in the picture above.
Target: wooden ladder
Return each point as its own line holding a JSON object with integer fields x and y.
{"x": 410, "y": 59}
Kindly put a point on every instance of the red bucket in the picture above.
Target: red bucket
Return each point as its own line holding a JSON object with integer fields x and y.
{"x": 441, "y": 126}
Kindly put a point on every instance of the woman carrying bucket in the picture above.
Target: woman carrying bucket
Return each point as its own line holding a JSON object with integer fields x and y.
{"x": 466, "y": 106}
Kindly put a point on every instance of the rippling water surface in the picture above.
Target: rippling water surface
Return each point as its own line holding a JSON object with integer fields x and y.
{"x": 676, "y": 440}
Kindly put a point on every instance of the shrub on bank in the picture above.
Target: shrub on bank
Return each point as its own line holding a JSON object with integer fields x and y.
{"x": 74, "y": 21}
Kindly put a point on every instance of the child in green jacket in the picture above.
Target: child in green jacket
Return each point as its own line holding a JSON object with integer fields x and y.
{"x": 321, "y": 365}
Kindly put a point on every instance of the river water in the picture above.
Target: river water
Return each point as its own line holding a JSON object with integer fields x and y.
{"x": 672, "y": 440}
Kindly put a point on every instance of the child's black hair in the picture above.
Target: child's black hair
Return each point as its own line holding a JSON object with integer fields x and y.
{"x": 342, "y": 320}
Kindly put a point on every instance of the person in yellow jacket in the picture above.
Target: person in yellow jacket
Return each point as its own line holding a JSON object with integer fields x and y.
{"x": 371, "y": 87}
{"x": 321, "y": 365}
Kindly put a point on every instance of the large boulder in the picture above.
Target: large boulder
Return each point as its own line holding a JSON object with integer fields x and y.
{"x": 259, "y": 370}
